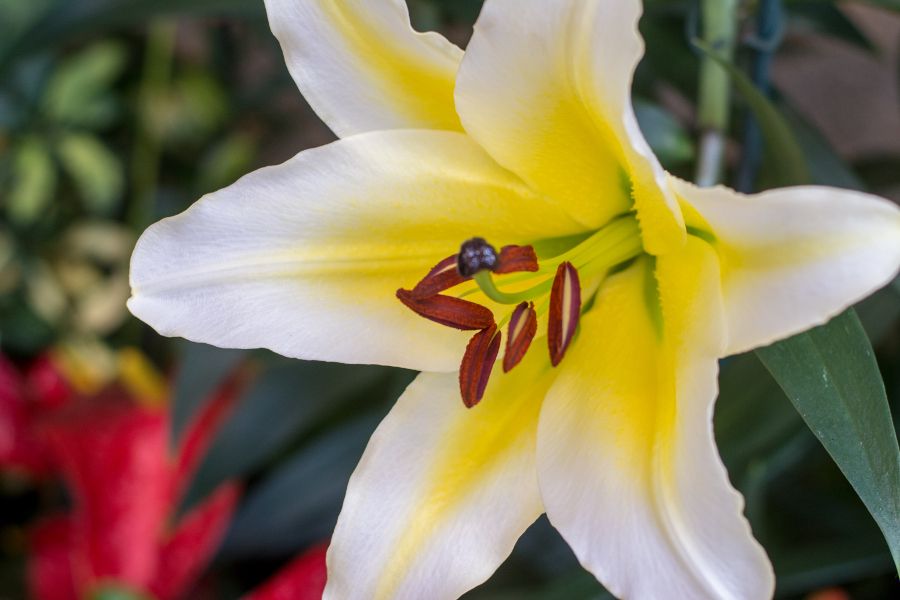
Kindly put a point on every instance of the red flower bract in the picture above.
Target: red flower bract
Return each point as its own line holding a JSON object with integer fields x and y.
{"x": 113, "y": 454}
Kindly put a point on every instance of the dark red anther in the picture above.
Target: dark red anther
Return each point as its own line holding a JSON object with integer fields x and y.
{"x": 449, "y": 311}
{"x": 522, "y": 327}
{"x": 477, "y": 364}
{"x": 442, "y": 276}
{"x": 565, "y": 311}
{"x": 514, "y": 259}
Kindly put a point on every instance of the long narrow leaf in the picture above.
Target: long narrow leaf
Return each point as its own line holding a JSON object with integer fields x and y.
{"x": 831, "y": 376}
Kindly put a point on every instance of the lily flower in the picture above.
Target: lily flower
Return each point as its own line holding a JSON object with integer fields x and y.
{"x": 640, "y": 282}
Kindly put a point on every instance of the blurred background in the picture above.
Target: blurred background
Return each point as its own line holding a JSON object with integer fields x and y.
{"x": 179, "y": 470}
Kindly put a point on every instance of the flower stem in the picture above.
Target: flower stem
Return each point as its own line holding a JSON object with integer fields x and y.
{"x": 719, "y": 32}
{"x": 155, "y": 78}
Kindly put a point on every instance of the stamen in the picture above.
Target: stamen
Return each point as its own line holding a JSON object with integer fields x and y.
{"x": 476, "y": 255}
{"x": 449, "y": 311}
{"x": 514, "y": 259}
{"x": 477, "y": 364}
{"x": 522, "y": 327}
{"x": 442, "y": 276}
{"x": 565, "y": 311}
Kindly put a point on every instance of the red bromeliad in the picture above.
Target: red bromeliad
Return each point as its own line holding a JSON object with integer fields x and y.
{"x": 25, "y": 398}
{"x": 113, "y": 453}
{"x": 114, "y": 457}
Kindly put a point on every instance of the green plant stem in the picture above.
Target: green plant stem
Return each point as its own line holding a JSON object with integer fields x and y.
{"x": 714, "y": 97}
{"x": 157, "y": 74}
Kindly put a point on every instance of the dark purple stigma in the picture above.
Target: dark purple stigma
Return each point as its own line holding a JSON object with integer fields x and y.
{"x": 476, "y": 255}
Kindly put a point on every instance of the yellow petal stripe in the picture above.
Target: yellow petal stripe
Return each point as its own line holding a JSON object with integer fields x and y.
{"x": 545, "y": 88}
{"x": 626, "y": 457}
{"x": 442, "y": 493}
{"x": 362, "y": 67}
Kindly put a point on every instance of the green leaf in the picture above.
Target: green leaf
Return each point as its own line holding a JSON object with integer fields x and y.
{"x": 79, "y": 91}
{"x": 33, "y": 182}
{"x": 187, "y": 112}
{"x": 226, "y": 161}
{"x": 96, "y": 171}
{"x": 831, "y": 376}
{"x": 790, "y": 165}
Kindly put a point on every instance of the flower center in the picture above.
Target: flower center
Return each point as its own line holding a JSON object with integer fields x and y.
{"x": 550, "y": 286}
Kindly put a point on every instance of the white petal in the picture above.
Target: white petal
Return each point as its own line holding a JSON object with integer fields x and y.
{"x": 545, "y": 88}
{"x": 795, "y": 257}
{"x": 305, "y": 258}
{"x": 362, "y": 67}
{"x": 442, "y": 493}
{"x": 627, "y": 462}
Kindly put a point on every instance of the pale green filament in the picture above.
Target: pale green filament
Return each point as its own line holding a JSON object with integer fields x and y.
{"x": 624, "y": 229}
{"x": 486, "y": 283}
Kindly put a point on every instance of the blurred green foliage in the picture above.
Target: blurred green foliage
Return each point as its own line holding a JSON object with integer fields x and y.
{"x": 115, "y": 113}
